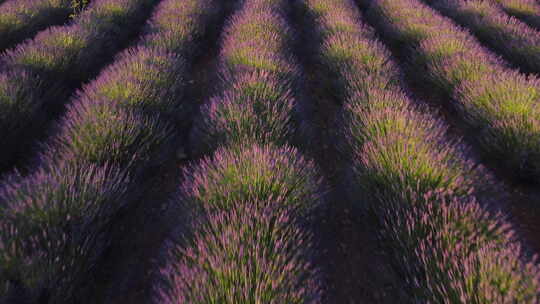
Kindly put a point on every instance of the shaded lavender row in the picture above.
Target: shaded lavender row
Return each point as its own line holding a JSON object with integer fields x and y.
{"x": 526, "y": 10}
{"x": 413, "y": 178}
{"x": 56, "y": 222}
{"x": 499, "y": 106}
{"x": 250, "y": 240}
{"x": 256, "y": 102}
{"x": 38, "y": 76}
{"x": 514, "y": 40}
{"x": 21, "y": 19}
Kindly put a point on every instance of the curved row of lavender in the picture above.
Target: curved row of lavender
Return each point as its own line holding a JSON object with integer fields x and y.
{"x": 55, "y": 223}
{"x": 21, "y": 19}
{"x": 413, "y": 178}
{"x": 526, "y": 10}
{"x": 513, "y": 39}
{"x": 37, "y": 77}
{"x": 252, "y": 195}
{"x": 498, "y": 106}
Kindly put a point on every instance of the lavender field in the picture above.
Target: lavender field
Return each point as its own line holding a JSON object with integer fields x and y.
{"x": 269, "y": 151}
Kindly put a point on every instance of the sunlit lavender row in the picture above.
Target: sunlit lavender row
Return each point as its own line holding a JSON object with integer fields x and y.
{"x": 38, "y": 76}
{"x": 526, "y": 10}
{"x": 413, "y": 178}
{"x": 56, "y": 222}
{"x": 499, "y": 106}
{"x": 250, "y": 240}
{"x": 21, "y": 19}
{"x": 508, "y": 36}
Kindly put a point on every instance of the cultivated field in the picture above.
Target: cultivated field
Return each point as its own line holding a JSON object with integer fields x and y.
{"x": 269, "y": 151}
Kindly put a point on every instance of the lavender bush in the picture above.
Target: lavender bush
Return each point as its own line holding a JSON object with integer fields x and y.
{"x": 99, "y": 133}
{"x": 59, "y": 59}
{"x": 257, "y": 108}
{"x": 74, "y": 50}
{"x": 21, "y": 19}
{"x": 252, "y": 173}
{"x": 526, "y": 10}
{"x": 129, "y": 113}
{"x": 250, "y": 242}
{"x": 248, "y": 254}
{"x": 497, "y": 104}
{"x": 511, "y": 38}
{"x": 53, "y": 227}
{"x": 165, "y": 32}
{"x": 401, "y": 148}
{"x": 145, "y": 79}
{"x": 450, "y": 250}
{"x": 258, "y": 76}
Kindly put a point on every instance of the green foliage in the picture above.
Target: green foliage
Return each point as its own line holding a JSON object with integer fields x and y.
{"x": 78, "y": 6}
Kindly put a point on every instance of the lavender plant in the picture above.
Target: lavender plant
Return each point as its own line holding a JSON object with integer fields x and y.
{"x": 59, "y": 59}
{"x": 492, "y": 99}
{"x": 129, "y": 113}
{"x": 257, "y": 108}
{"x": 247, "y": 254}
{"x": 165, "y": 32}
{"x": 53, "y": 228}
{"x": 98, "y": 133}
{"x": 21, "y": 19}
{"x": 402, "y": 148}
{"x": 450, "y": 250}
{"x": 250, "y": 242}
{"x": 252, "y": 173}
{"x": 525, "y": 10}
{"x": 258, "y": 80}
{"x": 513, "y": 39}
{"x": 144, "y": 78}
{"x": 74, "y": 50}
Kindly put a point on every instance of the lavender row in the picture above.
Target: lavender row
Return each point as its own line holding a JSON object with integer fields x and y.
{"x": 37, "y": 76}
{"x": 56, "y": 222}
{"x": 250, "y": 240}
{"x": 525, "y": 10}
{"x": 499, "y": 106}
{"x": 250, "y": 243}
{"x": 21, "y": 19}
{"x": 513, "y": 39}
{"x": 413, "y": 178}
{"x": 128, "y": 114}
{"x": 256, "y": 101}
